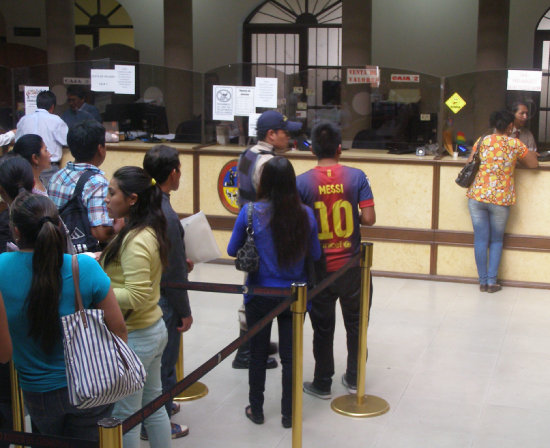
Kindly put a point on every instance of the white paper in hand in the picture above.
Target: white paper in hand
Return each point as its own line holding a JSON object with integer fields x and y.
{"x": 200, "y": 244}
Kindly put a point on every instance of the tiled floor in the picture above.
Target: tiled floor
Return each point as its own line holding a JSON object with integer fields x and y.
{"x": 459, "y": 368}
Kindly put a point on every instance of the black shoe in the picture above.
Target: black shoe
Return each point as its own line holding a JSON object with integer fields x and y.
{"x": 240, "y": 363}
{"x": 312, "y": 389}
{"x": 273, "y": 348}
{"x": 286, "y": 421}
{"x": 256, "y": 418}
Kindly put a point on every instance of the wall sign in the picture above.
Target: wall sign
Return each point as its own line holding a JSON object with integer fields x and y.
{"x": 227, "y": 186}
{"x": 404, "y": 78}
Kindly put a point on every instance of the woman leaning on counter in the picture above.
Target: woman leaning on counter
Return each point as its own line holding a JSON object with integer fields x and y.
{"x": 492, "y": 193}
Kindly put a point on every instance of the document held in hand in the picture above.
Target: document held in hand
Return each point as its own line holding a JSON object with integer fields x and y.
{"x": 200, "y": 244}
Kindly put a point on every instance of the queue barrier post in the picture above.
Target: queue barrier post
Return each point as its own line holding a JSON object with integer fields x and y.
{"x": 17, "y": 408}
{"x": 196, "y": 390}
{"x": 110, "y": 433}
{"x": 359, "y": 404}
{"x": 298, "y": 308}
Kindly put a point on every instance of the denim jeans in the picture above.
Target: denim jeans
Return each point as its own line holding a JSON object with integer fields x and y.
{"x": 171, "y": 352}
{"x": 489, "y": 222}
{"x": 51, "y": 413}
{"x": 148, "y": 343}
{"x": 256, "y": 309}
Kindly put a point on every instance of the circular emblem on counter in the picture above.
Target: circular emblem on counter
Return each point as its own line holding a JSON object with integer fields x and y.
{"x": 227, "y": 186}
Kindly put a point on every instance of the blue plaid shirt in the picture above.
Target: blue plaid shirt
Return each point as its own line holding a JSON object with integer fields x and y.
{"x": 63, "y": 183}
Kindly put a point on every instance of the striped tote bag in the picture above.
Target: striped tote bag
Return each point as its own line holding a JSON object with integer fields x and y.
{"x": 100, "y": 367}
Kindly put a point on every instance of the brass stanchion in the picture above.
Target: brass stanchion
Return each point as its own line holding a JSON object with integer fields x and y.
{"x": 110, "y": 433}
{"x": 361, "y": 405}
{"x": 196, "y": 390}
{"x": 17, "y": 408}
{"x": 298, "y": 308}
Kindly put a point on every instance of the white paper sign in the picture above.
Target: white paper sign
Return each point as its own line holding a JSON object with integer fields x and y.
{"x": 224, "y": 103}
{"x": 529, "y": 80}
{"x": 126, "y": 79}
{"x": 266, "y": 92}
{"x": 244, "y": 101}
{"x": 252, "y": 120}
{"x": 30, "y": 97}
{"x": 103, "y": 80}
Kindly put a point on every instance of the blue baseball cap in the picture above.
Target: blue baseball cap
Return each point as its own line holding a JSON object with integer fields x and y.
{"x": 272, "y": 119}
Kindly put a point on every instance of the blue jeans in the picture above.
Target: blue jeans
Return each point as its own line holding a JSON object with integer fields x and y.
{"x": 148, "y": 343}
{"x": 51, "y": 413}
{"x": 171, "y": 352}
{"x": 256, "y": 309}
{"x": 489, "y": 222}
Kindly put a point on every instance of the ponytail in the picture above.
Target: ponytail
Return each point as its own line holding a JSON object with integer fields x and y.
{"x": 37, "y": 221}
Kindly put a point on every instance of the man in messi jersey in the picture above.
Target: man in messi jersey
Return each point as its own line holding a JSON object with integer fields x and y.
{"x": 342, "y": 200}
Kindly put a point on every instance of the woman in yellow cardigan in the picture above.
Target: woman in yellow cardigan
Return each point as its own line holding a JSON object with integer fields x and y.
{"x": 134, "y": 260}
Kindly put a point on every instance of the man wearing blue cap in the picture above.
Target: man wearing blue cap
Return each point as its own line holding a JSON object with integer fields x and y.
{"x": 272, "y": 130}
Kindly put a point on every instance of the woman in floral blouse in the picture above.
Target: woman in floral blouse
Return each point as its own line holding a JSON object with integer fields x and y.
{"x": 493, "y": 192}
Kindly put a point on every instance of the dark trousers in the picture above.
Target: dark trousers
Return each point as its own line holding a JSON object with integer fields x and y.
{"x": 51, "y": 413}
{"x": 171, "y": 352}
{"x": 347, "y": 288}
{"x": 255, "y": 309}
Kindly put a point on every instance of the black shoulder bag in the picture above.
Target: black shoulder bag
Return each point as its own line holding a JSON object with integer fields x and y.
{"x": 248, "y": 259}
{"x": 469, "y": 172}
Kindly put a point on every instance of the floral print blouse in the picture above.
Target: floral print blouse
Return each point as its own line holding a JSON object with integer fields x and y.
{"x": 494, "y": 182}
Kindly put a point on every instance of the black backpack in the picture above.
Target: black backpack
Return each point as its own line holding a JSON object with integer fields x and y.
{"x": 75, "y": 216}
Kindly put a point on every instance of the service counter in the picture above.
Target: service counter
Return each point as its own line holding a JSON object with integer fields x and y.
{"x": 423, "y": 228}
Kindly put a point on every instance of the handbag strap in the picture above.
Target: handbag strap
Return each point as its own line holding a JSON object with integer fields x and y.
{"x": 249, "y": 229}
{"x": 78, "y": 306}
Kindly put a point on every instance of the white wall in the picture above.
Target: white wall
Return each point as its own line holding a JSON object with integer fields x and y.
{"x": 217, "y": 31}
{"x": 430, "y": 36}
{"x": 524, "y": 18}
{"x": 435, "y": 37}
{"x": 148, "y": 20}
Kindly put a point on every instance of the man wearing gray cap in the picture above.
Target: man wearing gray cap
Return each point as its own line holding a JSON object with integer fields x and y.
{"x": 272, "y": 130}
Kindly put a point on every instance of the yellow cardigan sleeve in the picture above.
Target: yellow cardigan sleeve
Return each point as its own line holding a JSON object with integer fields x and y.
{"x": 137, "y": 258}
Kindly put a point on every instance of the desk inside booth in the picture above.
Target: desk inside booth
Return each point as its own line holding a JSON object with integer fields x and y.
{"x": 423, "y": 228}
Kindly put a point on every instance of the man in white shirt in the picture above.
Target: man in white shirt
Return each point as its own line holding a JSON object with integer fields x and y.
{"x": 50, "y": 127}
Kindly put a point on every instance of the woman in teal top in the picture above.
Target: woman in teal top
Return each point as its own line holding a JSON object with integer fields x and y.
{"x": 37, "y": 287}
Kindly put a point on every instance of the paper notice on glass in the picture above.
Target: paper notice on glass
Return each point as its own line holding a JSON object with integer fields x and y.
{"x": 266, "y": 92}
{"x": 528, "y": 80}
{"x": 224, "y": 103}
{"x": 103, "y": 80}
{"x": 126, "y": 79}
{"x": 244, "y": 101}
{"x": 30, "y": 97}
{"x": 252, "y": 120}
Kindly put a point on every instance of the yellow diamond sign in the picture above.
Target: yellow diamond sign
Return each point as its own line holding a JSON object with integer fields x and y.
{"x": 455, "y": 102}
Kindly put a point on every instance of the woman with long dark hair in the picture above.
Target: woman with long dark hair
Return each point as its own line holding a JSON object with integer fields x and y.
{"x": 37, "y": 286}
{"x": 33, "y": 149}
{"x": 285, "y": 232}
{"x": 493, "y": 192}
{"x": 134, "y": 260}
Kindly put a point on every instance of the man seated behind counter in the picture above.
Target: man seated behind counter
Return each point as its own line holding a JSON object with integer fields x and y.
{"x": 79, "y": 110}
{"x": 87, "y": 144}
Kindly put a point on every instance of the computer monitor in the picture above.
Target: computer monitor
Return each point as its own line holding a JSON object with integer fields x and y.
{"x": 138, "y": 117}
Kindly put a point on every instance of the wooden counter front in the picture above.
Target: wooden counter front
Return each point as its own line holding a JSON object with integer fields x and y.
{"x": 423, "y": 227}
